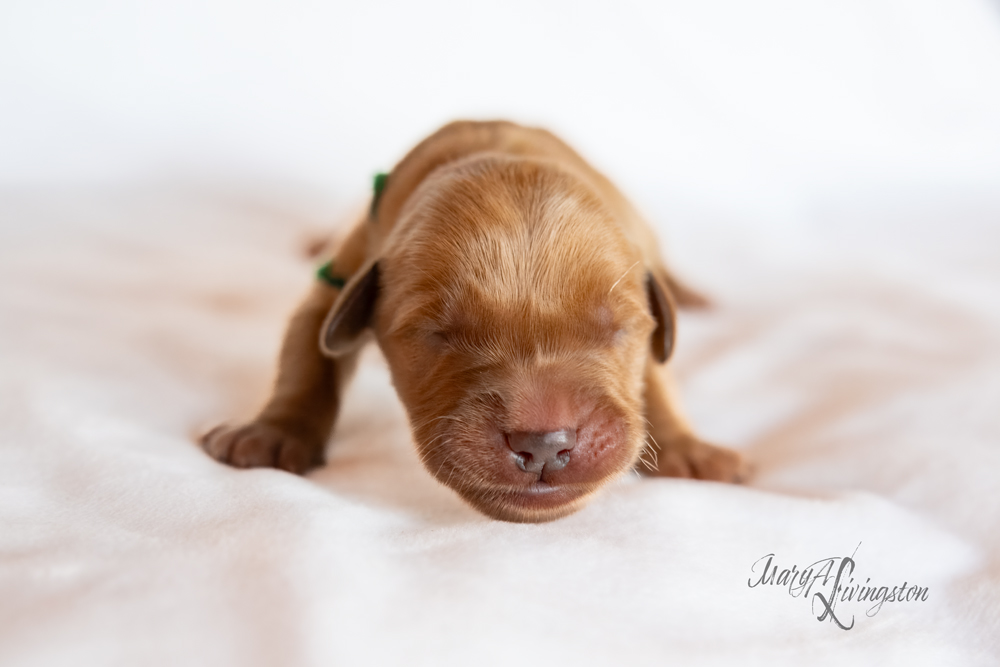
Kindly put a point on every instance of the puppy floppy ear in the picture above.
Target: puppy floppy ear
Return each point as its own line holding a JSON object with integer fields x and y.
{"x": 661, "y": 305}
{"x": 351, "y": 313}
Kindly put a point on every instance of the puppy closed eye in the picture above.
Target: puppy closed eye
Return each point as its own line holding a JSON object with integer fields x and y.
{"x": 440, "y": 339}
{"x": 606, "y": 328}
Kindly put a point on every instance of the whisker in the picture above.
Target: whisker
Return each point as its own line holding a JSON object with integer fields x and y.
{"x": 622, "y": 277}
{"x": 654, "y": 464}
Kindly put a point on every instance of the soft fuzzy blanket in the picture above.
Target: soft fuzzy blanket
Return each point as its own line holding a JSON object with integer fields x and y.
{"x": 856, "y": 363}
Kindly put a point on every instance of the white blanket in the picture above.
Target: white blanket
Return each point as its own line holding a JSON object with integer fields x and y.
{"x": 859, "y": 374}
{"x": 827, "y": 172}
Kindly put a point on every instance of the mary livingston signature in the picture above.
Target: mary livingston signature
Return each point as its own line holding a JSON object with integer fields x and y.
{"x": 830, "y": 581}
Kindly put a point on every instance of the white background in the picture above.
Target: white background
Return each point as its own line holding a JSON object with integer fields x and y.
{"x": 754, "y": 107}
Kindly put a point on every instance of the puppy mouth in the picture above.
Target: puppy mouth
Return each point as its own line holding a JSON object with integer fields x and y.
{"x": 530, "y": 502}
{"x": 540, "y": 488}
{"x": 539, "y": 494}
{"x": 535, "y": 502}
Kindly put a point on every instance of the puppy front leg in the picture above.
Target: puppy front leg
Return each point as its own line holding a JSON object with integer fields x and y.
{"x": 679, "y": 453}
{"x": 292, "y": 429}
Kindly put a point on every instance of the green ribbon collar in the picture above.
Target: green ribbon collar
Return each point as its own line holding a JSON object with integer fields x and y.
{"x": 325, "y": 272}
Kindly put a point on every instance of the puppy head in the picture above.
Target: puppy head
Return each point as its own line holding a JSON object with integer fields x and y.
{"x": 517, "y": 320}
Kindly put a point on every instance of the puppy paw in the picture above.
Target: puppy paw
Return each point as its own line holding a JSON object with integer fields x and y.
{"x": 261, "y": 445}
{"x": 692, "y": 458}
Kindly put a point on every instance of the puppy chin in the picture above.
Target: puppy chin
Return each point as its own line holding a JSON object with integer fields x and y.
{"x": 537, "y": 503}
{"x": 521, "y": 501}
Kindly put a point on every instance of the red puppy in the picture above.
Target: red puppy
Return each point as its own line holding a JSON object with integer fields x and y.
{"x": 525, "y": 313}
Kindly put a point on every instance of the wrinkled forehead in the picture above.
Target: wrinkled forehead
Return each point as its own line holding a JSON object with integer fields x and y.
{"x": 513, "y": 246}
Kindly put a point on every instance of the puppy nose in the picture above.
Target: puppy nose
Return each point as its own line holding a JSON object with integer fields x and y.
{"x": 535, "y": 451}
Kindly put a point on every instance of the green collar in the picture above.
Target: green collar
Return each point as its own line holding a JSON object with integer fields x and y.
{"x": 378, "y": 186}
{"x": 325, "y": 272}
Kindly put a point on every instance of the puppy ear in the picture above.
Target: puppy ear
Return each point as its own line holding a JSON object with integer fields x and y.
{"x": 661, "y": 304}
{"x": 351, "y": 313}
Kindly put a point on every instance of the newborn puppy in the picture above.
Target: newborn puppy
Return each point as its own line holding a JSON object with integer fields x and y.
{"x": 524, "y": 311}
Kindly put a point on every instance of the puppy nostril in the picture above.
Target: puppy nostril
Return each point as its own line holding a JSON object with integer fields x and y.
{"x": 559, "y": 461}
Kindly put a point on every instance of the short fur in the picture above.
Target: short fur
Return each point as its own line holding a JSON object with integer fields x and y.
{"x": 511, "y": 288}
